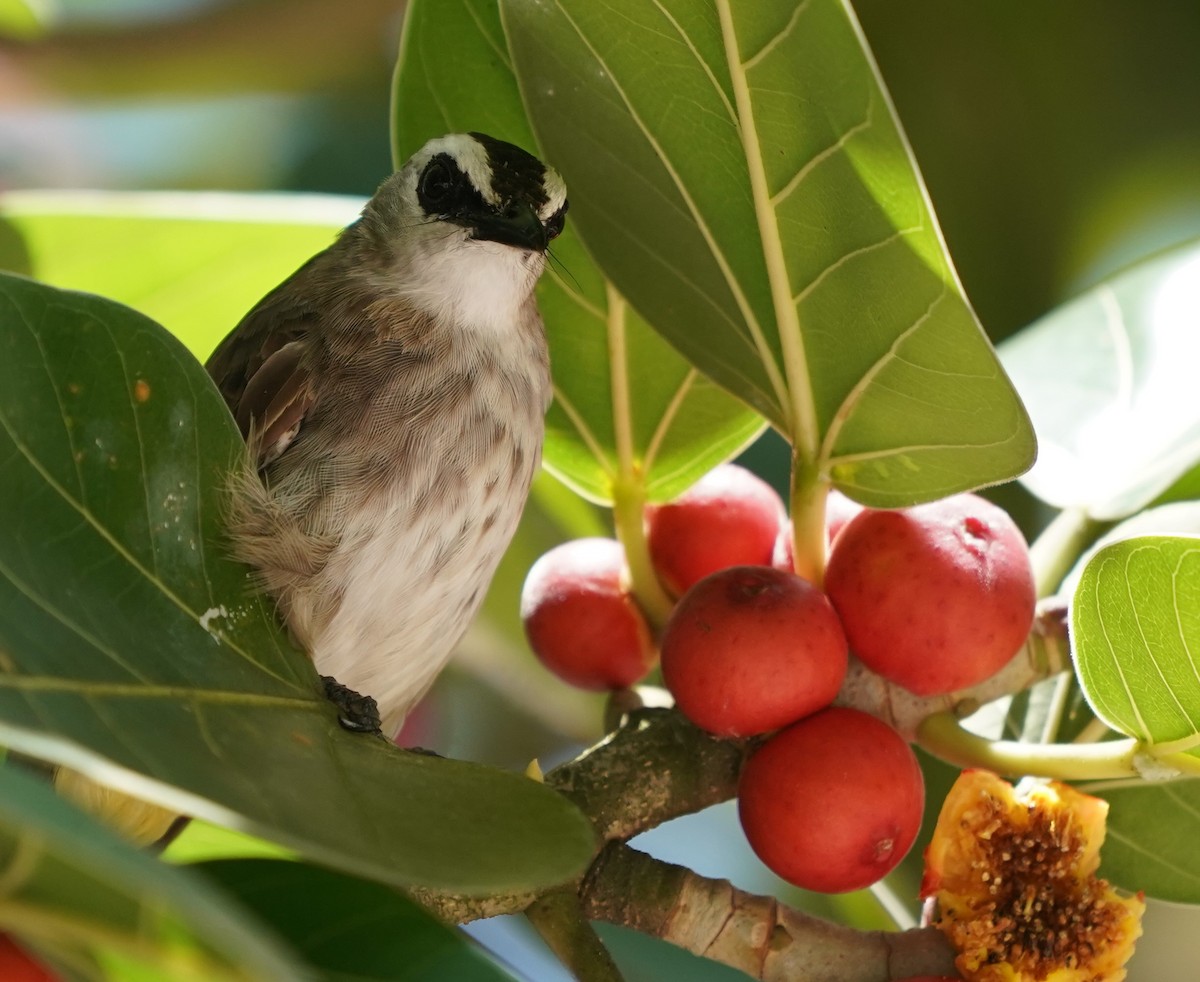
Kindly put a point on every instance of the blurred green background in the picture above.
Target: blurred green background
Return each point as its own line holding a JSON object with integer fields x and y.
{"x": 1059, "y": 141}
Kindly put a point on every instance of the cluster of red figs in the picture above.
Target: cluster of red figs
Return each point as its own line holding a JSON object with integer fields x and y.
{"x": 934, "y": 598}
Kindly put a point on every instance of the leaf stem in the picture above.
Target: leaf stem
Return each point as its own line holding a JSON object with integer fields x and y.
{"x": 1173, "y": 747}
{"x": 1060, "y": 545}
{"x": 1184, "y": 763}
{"x": 808, "y": 494}
{"x": 629, "y": 486}
{"x": 629, "y": 502}
{"x": 943, "y": 736}
{"x": 558, "y": 917}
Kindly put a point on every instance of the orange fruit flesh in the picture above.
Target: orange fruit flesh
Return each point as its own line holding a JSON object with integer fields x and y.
{"x": 1013, "y": 874}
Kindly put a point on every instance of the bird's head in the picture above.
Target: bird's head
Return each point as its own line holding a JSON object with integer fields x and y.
{"x": 468, "y": 211}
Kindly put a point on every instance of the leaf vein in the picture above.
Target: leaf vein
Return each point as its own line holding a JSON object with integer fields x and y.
{"x": 750, "y": 63}
{"x": 112, "y": 542}
{"x": 39, "y": 601}
{"x": 1134, "y": 846}
{"x": 130, "y": 690}
{"x": 1138, "y": 613}
{"x": 574, "y": 295}
{"x": 751, "y": 319}
{"x": 668, "y": 418}
{"x": 585, "y": 431}
{"x": 712, "y": 78}
{"x": 859, "y": 390}
{"x": 853, "y": 254}
{"x": 785, "y": 192}
{"x": 501, "y": 53}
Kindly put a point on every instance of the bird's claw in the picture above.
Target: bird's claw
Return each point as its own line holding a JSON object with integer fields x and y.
{"x": 356, "y": 713}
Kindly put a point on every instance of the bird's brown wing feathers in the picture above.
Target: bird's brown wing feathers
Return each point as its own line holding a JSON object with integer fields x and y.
{"x": 261, "y": 369}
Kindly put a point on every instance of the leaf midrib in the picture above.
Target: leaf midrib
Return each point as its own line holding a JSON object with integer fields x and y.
{"x": 139, "y": 690}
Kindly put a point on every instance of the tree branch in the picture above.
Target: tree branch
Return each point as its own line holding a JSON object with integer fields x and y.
{"x": 755, "y": 934}
{"x": 1046, "y": 652}
{"x": 656, "y": 766}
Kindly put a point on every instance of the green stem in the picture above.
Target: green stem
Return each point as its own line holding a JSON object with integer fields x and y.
{"x": 1060, "y": 693}
{"x": 1184, "y": 763}
{"x": 1181, "y": 746}
{"x": 1059, "y": 547}
{"x": 629, "y": 503}
{"x": 943, "y": 736}
{"x": 629, "y": 486}
{"x": 558, "y": 918}
{"x": 808, "y": 495}
{"x": 1093, "y": 731}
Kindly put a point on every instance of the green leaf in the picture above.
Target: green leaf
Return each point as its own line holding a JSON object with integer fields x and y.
{"x": 1178, "y": 518}
{"x": 347, "y": 928}
{"x": 1151, "y": 840}
{"x": 135, "y": 652}
{"x": 616, "y": 381}
{"x": 1103, "y": 377}
{"x": 81, "y": 894}
{"x": 738, "y": 172}
{"x": 194, "y": 262}
{"x": 1135, "y": 629}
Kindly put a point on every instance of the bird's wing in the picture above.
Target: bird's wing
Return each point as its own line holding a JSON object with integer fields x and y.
{"x": 262, "y": 370}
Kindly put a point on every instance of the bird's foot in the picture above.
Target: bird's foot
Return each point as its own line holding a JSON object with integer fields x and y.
{"x": 356, "y": 713}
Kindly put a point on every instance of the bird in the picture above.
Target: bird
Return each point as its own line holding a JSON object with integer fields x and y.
{"x": 392, "y": 394}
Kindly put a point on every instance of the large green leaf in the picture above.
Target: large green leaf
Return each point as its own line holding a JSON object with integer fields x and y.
{"x": 738, "y": 172}
{"x": 627, "y": 407}
{"x": 1151, "y": 841}
{"x": 194, "y": 262}
{"x": 86, "y": 897}
{"x": 134, "y": 651}
{"x": 1104, "y": 378}
{"x": 1135, "y": 632}
{"x": 347, "y": 928}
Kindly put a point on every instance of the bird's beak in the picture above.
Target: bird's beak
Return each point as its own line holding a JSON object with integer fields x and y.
{"x": 518, "y": 225}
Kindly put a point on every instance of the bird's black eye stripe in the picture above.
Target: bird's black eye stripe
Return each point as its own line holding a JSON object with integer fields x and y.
{"x": 443, "y": 189}
{"x": 556, "y": 222}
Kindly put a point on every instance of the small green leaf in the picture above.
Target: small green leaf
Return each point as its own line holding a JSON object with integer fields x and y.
{"x": 1135, "y": 629}
{"x": 1151, "y": 840}
{"x": 128, "y": 639}
{"x": 79, "y": 892}
{"x": 614, "y": 377}
{"x": 347, "y": 928}
{"x": 738, "y": 172}
{"x": 1103, "y": 376}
